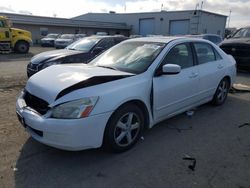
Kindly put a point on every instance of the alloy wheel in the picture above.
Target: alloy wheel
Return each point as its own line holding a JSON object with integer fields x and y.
{"x": 222, "y": 90}
{"x": 127, "y": 129}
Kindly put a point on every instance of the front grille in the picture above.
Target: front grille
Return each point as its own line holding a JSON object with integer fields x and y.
{"x": 39, "y": 105}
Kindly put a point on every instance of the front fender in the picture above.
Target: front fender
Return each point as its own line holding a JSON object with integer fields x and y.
{"x": 22, "y": 38}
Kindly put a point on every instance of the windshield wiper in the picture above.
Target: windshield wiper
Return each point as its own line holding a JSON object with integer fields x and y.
{"x": 107, "y": 67}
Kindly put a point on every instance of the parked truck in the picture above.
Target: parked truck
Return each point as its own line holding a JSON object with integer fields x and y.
{"x": 13, "y": 39}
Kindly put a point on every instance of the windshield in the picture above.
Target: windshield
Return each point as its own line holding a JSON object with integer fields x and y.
{"x": 52, "y": 36}
{"x": 242, "y": 33}
{"x": 9, "y": 23}
{"x": 80, "y": 35}
{"x": 132, "y": 57}
{"x": 84, "y": 44}
{"x": 67, "y": 36}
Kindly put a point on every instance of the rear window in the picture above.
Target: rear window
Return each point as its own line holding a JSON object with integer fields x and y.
{"x": 214, "y": 39}
{"x": 118, "y": 40}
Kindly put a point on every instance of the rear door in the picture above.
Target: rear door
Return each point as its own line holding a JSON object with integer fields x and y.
{"x": 211, "y": 68}
{"x": 174, "y": 93}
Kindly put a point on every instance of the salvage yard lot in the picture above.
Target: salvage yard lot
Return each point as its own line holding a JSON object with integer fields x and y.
{"x": 217, "y": 137}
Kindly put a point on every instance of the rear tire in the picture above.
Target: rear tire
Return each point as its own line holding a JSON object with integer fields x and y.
{"x": 221, "y": 92}
{"x": 22, "y": 47}
{"x": 124, "y": 128}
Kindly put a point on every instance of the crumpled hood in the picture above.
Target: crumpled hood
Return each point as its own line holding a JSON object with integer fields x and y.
{"x": 52, "y": 82}
{"x": 53, "y": 54}
{"x": 235, "y": 41}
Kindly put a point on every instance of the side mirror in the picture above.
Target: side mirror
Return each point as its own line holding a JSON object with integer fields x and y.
{"x": 97, "y": 50}
{"x": 171, "y": 69}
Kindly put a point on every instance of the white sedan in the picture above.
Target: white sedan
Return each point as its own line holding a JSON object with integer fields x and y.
{"x": 128, "y": 88}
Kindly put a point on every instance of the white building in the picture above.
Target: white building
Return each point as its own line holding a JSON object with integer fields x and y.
{"x": 165, "y": 22}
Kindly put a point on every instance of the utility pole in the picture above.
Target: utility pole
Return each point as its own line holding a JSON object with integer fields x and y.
{"x": 229, "y": 17}
{"x": 201, "y": 4}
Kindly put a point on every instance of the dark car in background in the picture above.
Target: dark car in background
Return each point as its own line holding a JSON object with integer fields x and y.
{"x": 49, "y": 40}
{"x": 239, "y": 47}
{"x": 216, "y": 39}
{"x": 81, "y": 51}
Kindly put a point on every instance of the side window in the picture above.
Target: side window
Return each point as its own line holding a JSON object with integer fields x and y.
{"x": 205, "y": 52}
{"x": 1, "y": 24}
{"x": 212, "y": 39}
{"x": 180, "y": 55}
{"x": 106, "y": 43}
{"x": 118, "y": 40}
{"x": 217, "y": 55}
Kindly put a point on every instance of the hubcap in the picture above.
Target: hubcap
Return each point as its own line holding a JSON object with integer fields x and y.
{"x": 127, "y": 129}
{"x": 22, "y": 48}
{"x": 222, "y": 91}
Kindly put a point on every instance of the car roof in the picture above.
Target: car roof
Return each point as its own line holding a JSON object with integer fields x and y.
{"x": 166, "y": 39}
{"x": 102, "y": 37}
{"x": 155, "y": 39}
{"x": 202, "y": 35}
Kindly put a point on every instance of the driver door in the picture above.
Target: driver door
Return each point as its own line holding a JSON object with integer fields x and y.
{"x": 175, "y": 93}
{"x": 4, "y": 32}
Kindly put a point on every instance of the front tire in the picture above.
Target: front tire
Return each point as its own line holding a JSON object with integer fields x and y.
{"x": 22, "y": 47}
{"x": 124, "y": 128}
{"x": 221, "y": 92}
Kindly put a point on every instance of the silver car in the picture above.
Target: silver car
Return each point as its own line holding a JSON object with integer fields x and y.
{"x": 65, "y": 40}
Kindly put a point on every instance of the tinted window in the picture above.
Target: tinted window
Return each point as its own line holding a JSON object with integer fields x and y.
{"x": 205, "y": 52}
{"x": 1, "y": 24}
{"x": 180, "y": 55}
{"x": 84, "y": 44}
{"x": 217, "y": 55}
{"x": 106, "y": 43}
{"x": 214, "y": 39}
{"x": 118, "y": 40}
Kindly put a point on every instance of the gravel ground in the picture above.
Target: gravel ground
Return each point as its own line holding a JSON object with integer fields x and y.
{"x": 215, "y": 136}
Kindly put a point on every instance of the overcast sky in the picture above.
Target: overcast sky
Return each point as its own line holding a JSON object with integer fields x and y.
{"x": 61, "y": 8}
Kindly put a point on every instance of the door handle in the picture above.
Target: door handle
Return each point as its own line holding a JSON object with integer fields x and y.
{"x": 193, "y": 75}
{"x": 220, "y": 66}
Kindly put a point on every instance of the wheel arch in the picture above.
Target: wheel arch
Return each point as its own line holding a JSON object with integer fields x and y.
{"x": 21, "y": 40}
{"x": 140, "y": 104}
{"x": 228, "y": 78}
{"x": 24, "y": 42}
